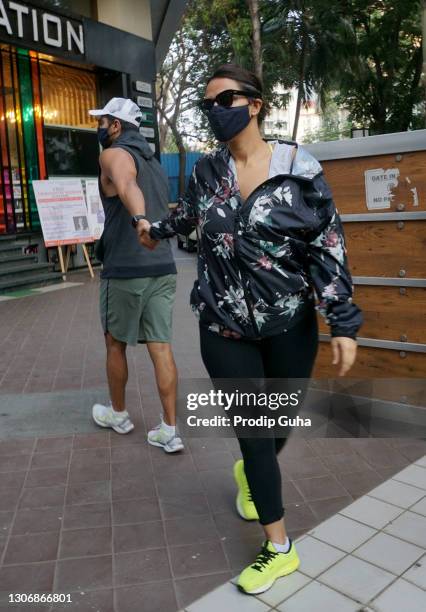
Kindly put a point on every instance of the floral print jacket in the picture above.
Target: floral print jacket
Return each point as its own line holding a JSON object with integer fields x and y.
{"x": 261, "y": 261}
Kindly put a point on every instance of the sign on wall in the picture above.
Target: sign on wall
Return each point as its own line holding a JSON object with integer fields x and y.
{"x": 22, "y": 23}
{"x": 63, "y": 213}
{"x": 379, "y": 184}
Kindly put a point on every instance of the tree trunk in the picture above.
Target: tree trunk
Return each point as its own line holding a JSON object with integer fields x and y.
{"x": 300, "y": 87}
{"x": 256, "y": 38}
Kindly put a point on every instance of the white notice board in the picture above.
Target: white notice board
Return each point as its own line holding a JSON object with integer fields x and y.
{"x": 63, "y": 213}
{"x": 95, "y": 210}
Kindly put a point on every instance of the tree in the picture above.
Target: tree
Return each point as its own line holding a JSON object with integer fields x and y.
{"x": 256, "y": 38}
{"x": 381, "y": 84}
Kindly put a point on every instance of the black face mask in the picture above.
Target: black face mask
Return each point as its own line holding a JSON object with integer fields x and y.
{"x": 228, "y": 122}
{"x": 103, "y": 137}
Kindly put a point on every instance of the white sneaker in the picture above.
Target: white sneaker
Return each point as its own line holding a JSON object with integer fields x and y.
{"x": 160, "y": 437}
{"x": 106, "y": 416}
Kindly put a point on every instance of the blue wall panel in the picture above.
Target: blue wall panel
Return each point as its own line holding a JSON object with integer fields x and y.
{"x": 170, "y": 163}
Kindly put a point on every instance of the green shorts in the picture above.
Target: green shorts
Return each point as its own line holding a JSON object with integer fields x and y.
{"x": 138, "y": 309}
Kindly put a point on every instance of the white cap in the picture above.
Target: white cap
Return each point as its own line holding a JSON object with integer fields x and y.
{"x": 122, "y": 108}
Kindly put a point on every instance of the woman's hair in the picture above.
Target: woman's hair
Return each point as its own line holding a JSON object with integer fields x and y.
{"x": 247, "y": 79}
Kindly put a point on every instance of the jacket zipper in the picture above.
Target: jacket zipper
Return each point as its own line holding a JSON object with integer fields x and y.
{"x": 243, "y": 280}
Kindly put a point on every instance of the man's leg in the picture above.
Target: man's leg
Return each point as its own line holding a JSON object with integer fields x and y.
{"x": 166, "y": 377}
{"x": 117, "y": 372}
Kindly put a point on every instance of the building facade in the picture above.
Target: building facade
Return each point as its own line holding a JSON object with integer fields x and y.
{"x": 59, "y": 58}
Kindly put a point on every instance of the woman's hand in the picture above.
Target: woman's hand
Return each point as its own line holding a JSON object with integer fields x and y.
{"x": 145, "y": 239}
{"x": 344, "y": 353}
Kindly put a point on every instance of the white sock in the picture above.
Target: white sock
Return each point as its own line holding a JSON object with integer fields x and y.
{"x": 169, "y": 429}
{"x": 282, "y": 548}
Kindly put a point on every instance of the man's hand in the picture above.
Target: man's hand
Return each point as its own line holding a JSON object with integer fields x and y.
{"x": 145, "y": 240}
{"x": 344, "y": 353}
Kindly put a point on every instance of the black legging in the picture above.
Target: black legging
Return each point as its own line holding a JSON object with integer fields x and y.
{"x": 287, "y": 355}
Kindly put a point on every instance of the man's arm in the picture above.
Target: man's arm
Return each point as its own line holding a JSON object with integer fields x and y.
{"x": 118, "y": 166}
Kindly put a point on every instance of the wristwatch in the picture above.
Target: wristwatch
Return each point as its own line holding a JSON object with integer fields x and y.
{"x": 137, "y": 218}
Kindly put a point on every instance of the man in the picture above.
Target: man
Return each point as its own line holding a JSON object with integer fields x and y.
{"x": 137, "y": 284}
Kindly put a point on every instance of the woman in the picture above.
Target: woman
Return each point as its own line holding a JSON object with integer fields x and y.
{"x": 269, "y": 236}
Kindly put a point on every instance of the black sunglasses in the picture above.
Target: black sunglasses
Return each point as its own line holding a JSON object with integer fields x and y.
{"x": 226, "y": 99}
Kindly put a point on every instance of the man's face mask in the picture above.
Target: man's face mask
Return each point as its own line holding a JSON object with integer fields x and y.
{"x": 104, "y": 137}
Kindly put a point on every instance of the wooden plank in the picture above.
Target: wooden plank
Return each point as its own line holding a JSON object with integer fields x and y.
{"x": 346, "y": 178}
{"x": 381, "y": 249}
{"x": 373, "y": 363}
{"x": 388, "y": 315}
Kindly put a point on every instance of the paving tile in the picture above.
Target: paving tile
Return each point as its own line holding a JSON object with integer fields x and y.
{"x": 397, "y": 493}
{"x": 414, "y": 450}
{"x": 306, "y": 467}
{"x": 9, "y": 497}
{"x": 414, "y": 475}
{"x": 27, "y": 578}
{"x": 227, "y": 597}
{"x": 317, "y": 596}
{"x": 143, "y": 486}
{"x": 87, "y": 515}
{"x": 389, "y": 553}
{"x": 141, "y": 566}
{"x": 93, "y": 440}
{"x": 356, "y": 579}
{"x": 241, "y": 552}
{"x": 176, "y": 506}
{"x": 359, "y": 483}
{"x": 299, "y": 516}
{"x": 323, "y": 487}
{"x": 146, "y": 597}
{"x": 51, "y": 445}
{"x": 89, "y": 473}
{"x": 50, "y": 460}
{"x": 17, "y": 447}
{"x": 316, "y": 556}
{"x": 88, "y": 492}
{"x": 189, "y": 590}
{"x": 417, "y": 573}
{"x": 343, "y": 463}
{"x": 401, "y": 595}
{"x": 46, "y": 477}
{"x": 196, "y": 529}
{"x": 10, "y": 480}
{"x": 128, "y": 538}
{"x": 131, "y": 470}
{"x": 410, "y": 527}
{"x": 135, "y": 511}
{"x": 42, "y": 497}
{"x": 342, "y": 532}
{"x": 32, "y": 547}
{"x": 330, "y": 446}
{"x": 86, "y": 542}
{"x": 297, "y": 448}
{"x": 420, "y": 507}
{"x": 6, "y": 520}
{"x": 421, "y": 461}
{"x": 372, "y": 512}
{"x": 324, "y": 508}
{"x": 178, "y": 484}
{"x": 214, "y": 460}
{"x": 38, "y": 520}
{"x": 291, "y": 494}
{"x": 230, "y": 525}
{"x": 84, "y": 573}
{"x": 85, "y": 457}
{"x": 130, "y": 454}
{"x": 283, "y": 589}
{"x": 88, "y": 601}
{"x": 11, "y": 463}
{"x": 197, "y": 559}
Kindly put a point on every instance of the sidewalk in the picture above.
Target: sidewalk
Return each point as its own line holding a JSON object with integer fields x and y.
{"x": 120, "y": 525}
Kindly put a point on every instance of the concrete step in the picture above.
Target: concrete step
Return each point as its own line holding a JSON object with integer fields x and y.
{"x": 12, "y": 247}
{"x": 27, "y": 270}
{"x": 9, "y": 284}
{"x": 16, "y": 259}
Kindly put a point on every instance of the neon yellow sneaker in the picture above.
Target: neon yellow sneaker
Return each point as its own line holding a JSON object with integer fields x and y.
{"x": 245, "y": 504}
{"x": 269, "y": 566}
